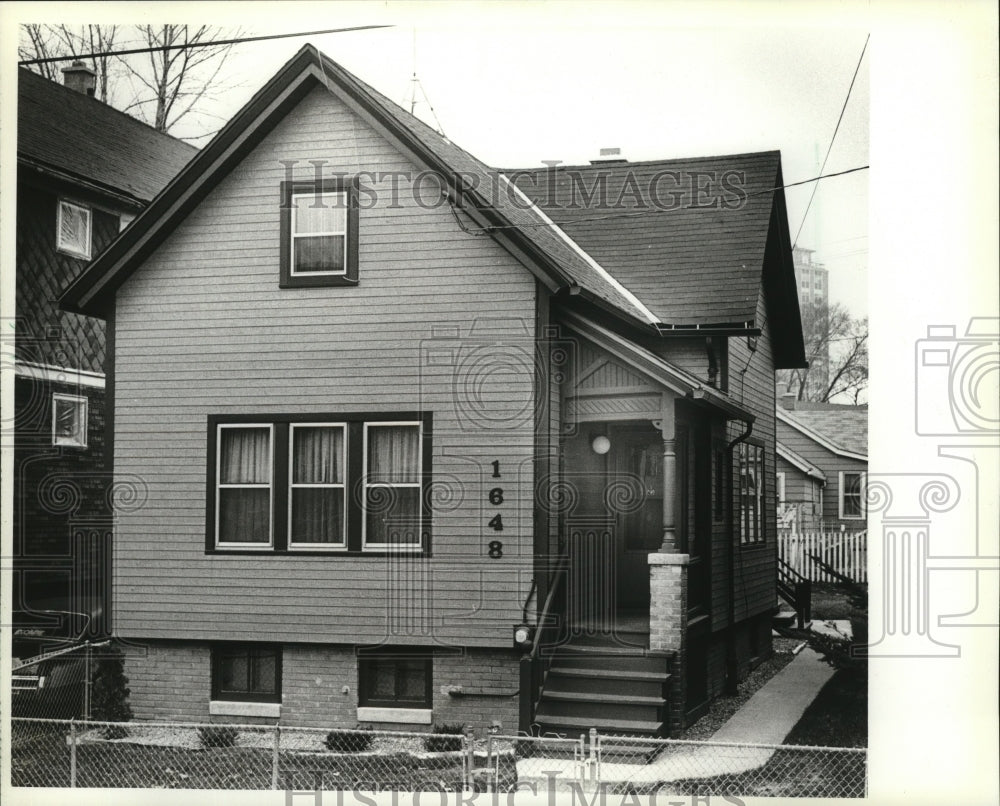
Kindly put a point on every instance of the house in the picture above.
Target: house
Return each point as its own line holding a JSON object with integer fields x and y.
{"x": 84, "y": 171}
{"x": 414, "y": 453}
{"x": 822, "y": 462}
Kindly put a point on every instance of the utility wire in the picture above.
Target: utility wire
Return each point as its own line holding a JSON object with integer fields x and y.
{"x": 192, "y": 46}
{"x": 832, "y": 140}
{"x": 634, "y": 213}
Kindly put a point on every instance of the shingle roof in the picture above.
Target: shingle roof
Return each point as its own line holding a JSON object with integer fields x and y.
{"x": 81, "y": 136}
{"x": 691, "y": 260}
{"x": 846, "y": 427}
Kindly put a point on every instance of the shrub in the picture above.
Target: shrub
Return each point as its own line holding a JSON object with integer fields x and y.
{"x": 109, "y": 692}
{"x": 443, "y": 739}
{"x": 114, "y": 732}
{"x": 222, "y": 736}
{"x": 349, "y": 741}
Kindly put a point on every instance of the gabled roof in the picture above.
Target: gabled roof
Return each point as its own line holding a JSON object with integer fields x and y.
{"x": 841, "y": 429}
{"x": 793, "y": 458}
{"x": 79, "y": 138}
{"x": 482, "y": 192}
{"x": 693, "y": 239}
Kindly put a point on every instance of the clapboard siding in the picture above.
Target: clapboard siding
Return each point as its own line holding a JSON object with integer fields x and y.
{"x": 202, "y": 328}
{"x": 832, "y": 464}
{"x": 754, "y": 571}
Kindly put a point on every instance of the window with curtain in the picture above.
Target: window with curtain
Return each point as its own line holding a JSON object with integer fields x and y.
{"x": 73, "y": 229}
{"x": 330, "y": 483}
{"x": 319, "y": 233}
{"x": 316, "y": 499}
{"x": 243, "y": 505}
{"x": 392, "y": 484}
{"x": 69, "y": 420}
{"x": 246, "y": 672}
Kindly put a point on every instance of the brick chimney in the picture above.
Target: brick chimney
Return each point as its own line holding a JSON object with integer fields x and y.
{"x": 788, "y": 401}
{"x": 610, "y": 156}
{"x": 80, "y": 78}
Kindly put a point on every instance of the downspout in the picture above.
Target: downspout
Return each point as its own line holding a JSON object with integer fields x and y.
{"x": 732, "y": 666}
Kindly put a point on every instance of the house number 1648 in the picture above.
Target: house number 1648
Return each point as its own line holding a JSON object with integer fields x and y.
{"x": 495, "y": 547}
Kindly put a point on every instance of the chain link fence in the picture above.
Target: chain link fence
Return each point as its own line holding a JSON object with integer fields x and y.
{"x": 70, "y": 753}
{"x": 55, "y": 684}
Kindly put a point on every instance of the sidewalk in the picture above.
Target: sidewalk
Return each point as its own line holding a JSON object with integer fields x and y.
{"x": 770, "y": 714}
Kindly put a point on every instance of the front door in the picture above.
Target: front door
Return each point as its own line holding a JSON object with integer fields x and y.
{"x": 615, "y": 475}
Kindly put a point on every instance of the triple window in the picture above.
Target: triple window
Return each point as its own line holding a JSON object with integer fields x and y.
{"x": 346, "y": 484}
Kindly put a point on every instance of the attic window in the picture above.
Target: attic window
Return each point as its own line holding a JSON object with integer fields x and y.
{"x": 73, "y": 229}
{"x": 69, "y": 420}
{"x": 319, "y": 233}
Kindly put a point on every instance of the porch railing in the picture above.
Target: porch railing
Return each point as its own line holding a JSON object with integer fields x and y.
{"x": 796, "y": 590}
{"x": 535, "y": 663}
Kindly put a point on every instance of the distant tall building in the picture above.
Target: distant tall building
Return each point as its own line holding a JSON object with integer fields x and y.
{"x": 812, "y": 280}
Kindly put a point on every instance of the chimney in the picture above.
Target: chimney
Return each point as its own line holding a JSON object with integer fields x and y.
{"x": 788, "y": 401}
{"x": 610, "y": 156}
{"x": 80, "y": 78}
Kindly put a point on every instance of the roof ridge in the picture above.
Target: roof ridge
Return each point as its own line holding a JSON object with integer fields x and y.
{"x": 632, "y": 163}
{"x": 104, "y": 105}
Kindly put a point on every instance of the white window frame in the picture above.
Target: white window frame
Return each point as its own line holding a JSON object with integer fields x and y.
{"x": 293, "y": 236}
{"x": 83, "y": 403}
{"x": 219, "y": 486}
{"x": 365, "y": 545}
{"x": 71, "y": 248}
{"x": 862, "y": 482}
{"x": 780, "y": 484}
{"x": 292, "y": 545}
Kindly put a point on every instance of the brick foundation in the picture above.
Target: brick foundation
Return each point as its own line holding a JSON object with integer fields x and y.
{"x": 668, "y": 625}
{"x": 171, "y": 681}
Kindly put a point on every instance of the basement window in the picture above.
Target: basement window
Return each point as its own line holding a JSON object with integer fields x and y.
{"x": 395, "y": 678}
{"x": 246, "y": 673}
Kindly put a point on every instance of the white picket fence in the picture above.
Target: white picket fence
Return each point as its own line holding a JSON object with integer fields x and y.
{"x": 845, "y": 552}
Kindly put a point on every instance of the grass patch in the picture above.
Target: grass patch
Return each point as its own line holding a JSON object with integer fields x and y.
{"x": 838, "y": 717}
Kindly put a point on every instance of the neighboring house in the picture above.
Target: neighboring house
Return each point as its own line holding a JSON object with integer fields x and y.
{"x": 414, "y": 454}
{"x": 84, "y": 171}
{"x": 822, "y": 463}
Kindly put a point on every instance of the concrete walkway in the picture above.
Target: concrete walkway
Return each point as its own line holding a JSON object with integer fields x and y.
{"x": 770, "y": 714}
{"x": 765, "y": 719}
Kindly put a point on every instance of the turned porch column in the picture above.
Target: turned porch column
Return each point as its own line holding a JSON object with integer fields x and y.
{"x": 666, "y": 426}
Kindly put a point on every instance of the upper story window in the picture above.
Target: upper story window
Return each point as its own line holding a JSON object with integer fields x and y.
{"x": 751, "y": 512}
{"x": 852, "y": 495}
{"x": 319, "y": 233}
{"x": 347, "y": 484}
{"x": 73, "y": 229}
{"x": 69, "y": 420}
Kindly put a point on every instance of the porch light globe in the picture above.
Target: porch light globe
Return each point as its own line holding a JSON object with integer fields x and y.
{"x": 601, "y": 445}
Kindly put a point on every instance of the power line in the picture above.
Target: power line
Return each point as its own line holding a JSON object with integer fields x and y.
{"x": 832, "y": 140}
{"x": 634, "y": 213}
{"x": 193, "y": 45}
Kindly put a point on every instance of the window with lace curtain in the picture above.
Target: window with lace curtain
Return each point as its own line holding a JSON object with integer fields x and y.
{"x": 298, "y": 483}
{"x": 73, "y": 229}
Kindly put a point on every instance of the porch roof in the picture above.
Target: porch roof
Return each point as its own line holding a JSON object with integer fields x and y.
{"x": 655, "y": 368}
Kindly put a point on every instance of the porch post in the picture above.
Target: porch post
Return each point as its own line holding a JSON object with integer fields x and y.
{"x": 666, "y": 426}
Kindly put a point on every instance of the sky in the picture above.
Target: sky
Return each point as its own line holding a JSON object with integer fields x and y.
{"x": 516, "y": 84}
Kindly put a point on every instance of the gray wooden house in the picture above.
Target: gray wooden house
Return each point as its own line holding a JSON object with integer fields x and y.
{"x": 426, "y": 444}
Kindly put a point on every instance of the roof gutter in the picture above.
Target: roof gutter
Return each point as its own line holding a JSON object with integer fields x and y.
{"x": 94, "y": 187}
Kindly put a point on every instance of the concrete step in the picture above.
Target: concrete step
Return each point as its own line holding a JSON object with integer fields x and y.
{"x": 573, "y": 726}
{"x": 604, "y": 697}
{"x": 590, "y": 672}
